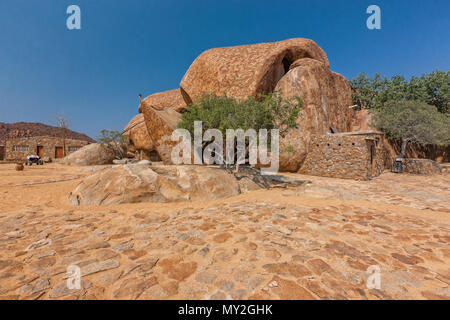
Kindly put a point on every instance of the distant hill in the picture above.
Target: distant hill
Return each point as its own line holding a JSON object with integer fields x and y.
{"x": 34, "y": 129}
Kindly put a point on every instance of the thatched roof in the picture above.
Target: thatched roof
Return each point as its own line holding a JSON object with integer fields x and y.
{"x": 245, "y": 70}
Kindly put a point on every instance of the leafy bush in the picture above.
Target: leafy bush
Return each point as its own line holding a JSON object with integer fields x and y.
{"x": 412, "y": 121}
{"x": 267, "y": 112}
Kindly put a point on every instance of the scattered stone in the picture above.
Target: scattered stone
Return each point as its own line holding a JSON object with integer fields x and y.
{"x": 42, "y": 243}
{"x": 133, "y": 288}
{"x": 407, "y": 259}
{"x": 289, "y": 290}
{"x": 35, "y": 287}
{"x": 203, "y": 252}
{"x": 176, "y": 269}
{"x": 205, "y": 277}
{"x": 61, "y": 290}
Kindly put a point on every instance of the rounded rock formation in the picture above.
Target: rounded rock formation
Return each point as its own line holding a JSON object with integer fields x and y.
{"x": 137, "y": 132}
{"x": 92, "y": 154}
{"x": 167, "y": 99}
{"x": 246, "y": 70}
{"x": 326, "y": 97}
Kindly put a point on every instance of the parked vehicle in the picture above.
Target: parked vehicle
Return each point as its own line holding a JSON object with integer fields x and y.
{"x": 34, "y": 159}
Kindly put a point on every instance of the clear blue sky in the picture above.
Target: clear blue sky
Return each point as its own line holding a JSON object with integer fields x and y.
{"x": 94, "y": 75}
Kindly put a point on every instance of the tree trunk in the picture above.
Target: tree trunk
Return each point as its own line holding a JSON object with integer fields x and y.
{"x": 403, "y": 150}
{"x": 64, "y": 142}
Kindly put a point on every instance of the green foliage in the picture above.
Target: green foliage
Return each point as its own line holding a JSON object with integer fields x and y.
{"x": 267, "y": 112}
{"x": 413, "y": 121}
{"x": 109, "y": 136}
{"x": 115, "y": 140}
{"x": 289, "y": 148}
{"x": 373, "y": 93}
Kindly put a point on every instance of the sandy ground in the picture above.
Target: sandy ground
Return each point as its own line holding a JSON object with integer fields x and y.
{"x": 316, "y": 241}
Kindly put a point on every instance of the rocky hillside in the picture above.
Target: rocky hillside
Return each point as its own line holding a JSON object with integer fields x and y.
{"x": 30, "y": 129}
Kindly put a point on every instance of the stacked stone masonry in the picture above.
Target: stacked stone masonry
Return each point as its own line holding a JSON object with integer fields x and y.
{"x": 17, "y": 149}
{"x": 354, "y": 155}
{"x": 421, "y": 166}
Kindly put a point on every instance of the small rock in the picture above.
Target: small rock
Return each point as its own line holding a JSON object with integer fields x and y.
{"x": 32, "y": 288}
{"x": 61, "y": 290}
{"x": 205, "y": 277}
{"x": 203, "y": 252}
{"x": 98, "y": 267}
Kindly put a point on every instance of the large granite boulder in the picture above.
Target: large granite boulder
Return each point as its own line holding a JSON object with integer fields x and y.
{"x": 141, "y": 183}
{"x": 326, "y": 97}
{"x": 160, "y": 125}
{"x": 137, "y": 132}
{"x": 167, "y": 99}
{"x": 245, "y": 70}
{"x": 362, "y": 121}
{"x": 92, "y": 154}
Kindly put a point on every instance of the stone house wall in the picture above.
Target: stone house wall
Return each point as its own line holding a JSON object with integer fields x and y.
{"x": 17, "y": 149}
{"x": 345, "y": 155}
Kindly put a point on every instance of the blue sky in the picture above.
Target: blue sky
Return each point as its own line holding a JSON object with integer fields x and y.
{"x": 94, "y": 75}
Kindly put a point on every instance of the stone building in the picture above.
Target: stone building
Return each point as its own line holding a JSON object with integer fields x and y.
{"x": 17, "y": 149}
{"x": 354, "y": 155}
{"x": 20, "y": 139}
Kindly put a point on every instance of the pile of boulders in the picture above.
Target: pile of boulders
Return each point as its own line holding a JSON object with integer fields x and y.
{"x": 294, "y": 67}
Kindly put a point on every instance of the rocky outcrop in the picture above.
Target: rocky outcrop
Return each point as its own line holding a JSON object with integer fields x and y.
{"x": 361, "y": 121}
{"x": 140, "y": 183}
{"x": 132, "y": 183}
{"x": 163, "y": 100}
{"x": 246, "y": 70}
{"x": 92, "y": 154}
{"x": 295, "y": 67}
{"x": 326, "y": 97}
{"x": 138, "y": 134}
{"x": 160, "y": 125}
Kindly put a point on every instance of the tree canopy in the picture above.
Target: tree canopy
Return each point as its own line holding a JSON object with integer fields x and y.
{"x": 413, "y": 121}
{"x": 431, "y": 88}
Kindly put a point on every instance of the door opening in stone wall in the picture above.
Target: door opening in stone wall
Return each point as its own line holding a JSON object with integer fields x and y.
{"x": 372, "y": 154}
{"x": 40, "y": 151}
{"x": 59, "y": 152}
{"x": 2, "y": 152}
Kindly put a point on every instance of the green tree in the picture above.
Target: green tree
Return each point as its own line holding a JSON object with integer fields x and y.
{"x": 431, "y": 88}
{"x": 412, "y": 121}
{"x": 266, "y": 112}
{"x": 437, "y": 87}
{"x": 114, "y": 140}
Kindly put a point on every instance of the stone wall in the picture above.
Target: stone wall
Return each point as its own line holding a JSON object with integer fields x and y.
{"x": 27, "y": 146}
{"x": 421, "y": 166}
{"x": 345, "y": 155}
